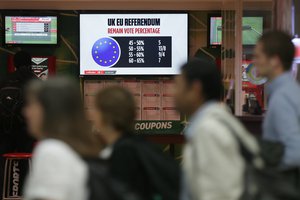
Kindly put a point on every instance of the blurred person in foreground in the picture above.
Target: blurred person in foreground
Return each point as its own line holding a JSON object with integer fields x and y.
{"x": 133, "y": 161}
{"x": 14, "y": 136}
{"x": 212, "y": 162}
{"x": 55, "y": 115}
{"x": 273, "y": 57}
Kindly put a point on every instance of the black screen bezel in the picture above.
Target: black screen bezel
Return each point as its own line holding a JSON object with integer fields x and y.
{"x": 29, "y": 13}
{"x": 130, "y": 12}
{"x": 218, "y": 14}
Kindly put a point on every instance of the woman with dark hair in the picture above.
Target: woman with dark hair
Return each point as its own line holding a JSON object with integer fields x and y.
{"x": 55, "y": 115}
{"x": 114, "y": 119}
{"x": 132, "y": 161}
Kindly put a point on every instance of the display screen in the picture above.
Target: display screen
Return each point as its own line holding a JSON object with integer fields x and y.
{"x": 252, "y": 30}
{"x": 133, "y": 44}
{"x": 30, "y": 29}
{"x": 216, "y": 30}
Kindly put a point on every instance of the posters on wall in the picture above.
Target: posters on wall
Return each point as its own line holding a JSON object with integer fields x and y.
{"x": 151, "y": 100}
{"x": 154, "y": 98}
{"x": 40, "y": 67}
{"x": 169, "y": 111}
{"x": 90, "y": 90}
{"x": 134, "y": 86}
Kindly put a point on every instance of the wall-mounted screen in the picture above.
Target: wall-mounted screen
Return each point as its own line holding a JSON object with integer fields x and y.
{"x": 252, "y": 30}
{"x": 215, "y": 30}
{"x": 133, "y": 44}
{"x": 30, "y": 30}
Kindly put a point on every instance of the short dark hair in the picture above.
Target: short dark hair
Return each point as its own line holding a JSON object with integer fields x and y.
{"x": 208, "y": 74}
{"x": 22, "y": 59}
{"x": 117, "y": 106}
{"x": 279, "y": 43}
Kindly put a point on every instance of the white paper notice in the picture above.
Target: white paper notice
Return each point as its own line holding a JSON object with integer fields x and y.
{"x": 168, "y": 110}
{"x": 134, "y": 86}
{"x": 151, "y": 103}
{"x": 91, "y": 87}
{"x": 109, "y": 83}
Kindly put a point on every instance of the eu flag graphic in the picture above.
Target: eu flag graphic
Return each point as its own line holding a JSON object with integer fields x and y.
{"x": 106, "y": 52}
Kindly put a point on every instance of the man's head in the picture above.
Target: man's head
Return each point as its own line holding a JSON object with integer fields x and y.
{"x": 199, "y": 82}
{"x": 274, "y": 54}
{"x": 22, "y": 59}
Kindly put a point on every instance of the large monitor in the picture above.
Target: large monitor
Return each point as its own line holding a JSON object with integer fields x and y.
{"x": 20, "y": 30}
{"x": 133, "y": 44}
{"x": 252, "y": 30}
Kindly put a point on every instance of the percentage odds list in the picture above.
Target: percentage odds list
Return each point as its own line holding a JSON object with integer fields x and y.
{"x": 145, "y": 52}
{"x": 136, "y": 52}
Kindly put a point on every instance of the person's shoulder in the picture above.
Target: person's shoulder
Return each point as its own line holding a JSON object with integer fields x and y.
{"x": 53, "y": 147}
{"x": 287, "y": 94}
{"x": 213, "y": 117}
{"x": 130, "y": 145}
{"x": 294, "y": 88}
{"x": 60, "y": 154}
{"x": 291, "y": 87}
{"x": 217, "y": 122}
{"x": 209, "y": 126}
{"x": 127, "y": 143}
{"x": 223, "y": 128}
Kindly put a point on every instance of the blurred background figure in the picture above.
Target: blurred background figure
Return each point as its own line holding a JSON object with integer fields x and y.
{"x": 13, "y": 127}
{"x": 22, "y": 63}
{"x": 13, "y": 132}
{"x": 274, "y": 54}
{"x": 212, "y": 163}
{"x": 55, "y": 115}
{"x": 132, "y": 161}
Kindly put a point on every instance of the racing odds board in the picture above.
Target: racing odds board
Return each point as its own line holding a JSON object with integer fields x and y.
{"x": 30, "y": 30}
{"x": 133, "y": 44}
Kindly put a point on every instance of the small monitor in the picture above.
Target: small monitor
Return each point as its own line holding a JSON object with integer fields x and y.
{"x": 215, "y": 31}
{"x": 31, "y": 30}
{"x": 252, "y": 30}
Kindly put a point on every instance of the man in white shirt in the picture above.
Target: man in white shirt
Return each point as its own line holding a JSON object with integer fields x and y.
{"x": 212, "y": 164}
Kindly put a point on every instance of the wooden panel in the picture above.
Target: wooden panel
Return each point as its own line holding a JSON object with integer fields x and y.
{"x": 238, "y": 57}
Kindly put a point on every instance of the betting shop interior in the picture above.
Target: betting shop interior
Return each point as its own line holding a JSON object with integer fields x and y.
{"x": 141, "y": 45}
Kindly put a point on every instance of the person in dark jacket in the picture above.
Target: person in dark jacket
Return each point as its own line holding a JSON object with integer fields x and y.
{"x": 19, "y": 139}
{"x": 114, "y": 120}
{"x": 23, "y": 73}
{"x": 133, "y": 161}
{"x": 13, "y": 131}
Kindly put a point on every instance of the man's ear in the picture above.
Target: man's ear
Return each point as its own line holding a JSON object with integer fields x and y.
{"x": 275, "y": 61}
{"x": 197, "y": 88}
{"x": 277, "y": 65}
